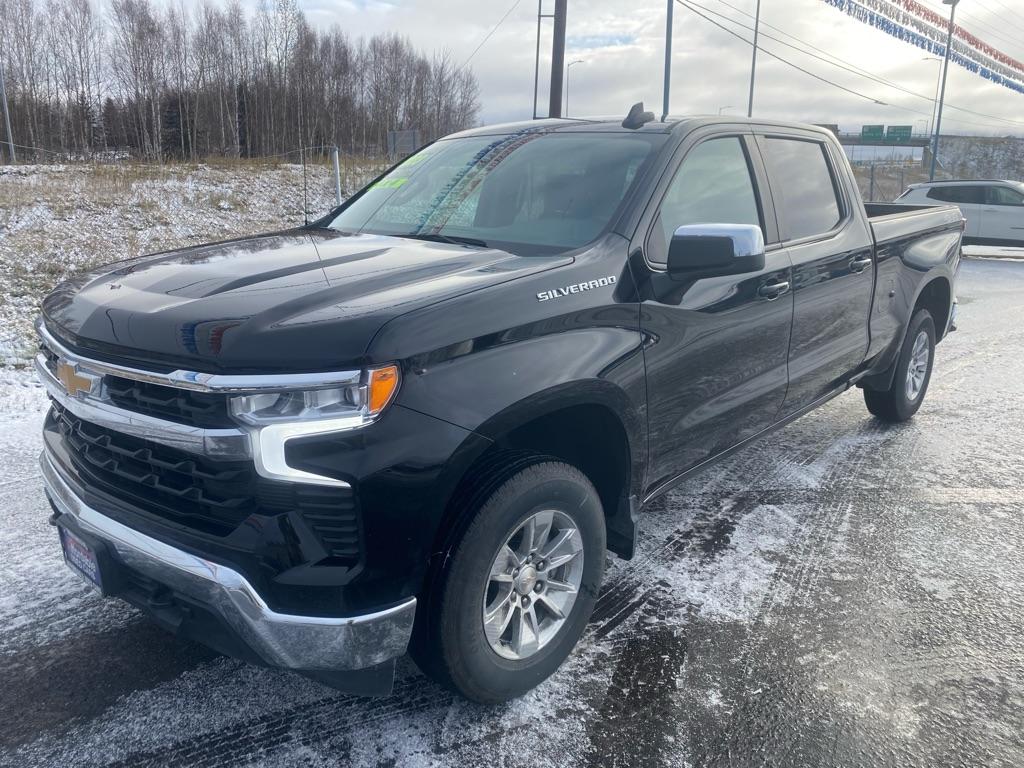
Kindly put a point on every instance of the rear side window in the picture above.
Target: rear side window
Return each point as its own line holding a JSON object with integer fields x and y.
{"x": 803, "y": 187}
{"x": 1004, "y": 196}
{"x": 960, "y": 193}
{"x": 713, "y": 186}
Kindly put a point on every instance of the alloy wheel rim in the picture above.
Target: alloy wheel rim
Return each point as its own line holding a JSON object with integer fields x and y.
{"x": 917, "y": 368}
{"x": 533, "y": 583}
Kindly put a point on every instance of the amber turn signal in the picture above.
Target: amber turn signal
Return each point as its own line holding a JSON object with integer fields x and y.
{"x": 382, "y": 387}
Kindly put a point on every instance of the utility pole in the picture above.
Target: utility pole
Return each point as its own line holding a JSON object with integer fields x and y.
{"x": 536, "y": 61}
{"x": 935, "y": 99}
{"x": 753, "y": 59}
{"x": 668, "y": 59}
{"x": 7, "y": 116}
{"x": 942, "y": 89}
{"x": 337, "y": 174}
{"x": 557, "y": 60}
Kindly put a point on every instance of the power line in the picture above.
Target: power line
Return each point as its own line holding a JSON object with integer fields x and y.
{"x": 844, "y": 64}
{"x": 834, "y": 84}
{"x": 1006, "y": 16}
{"x": 776, "y": 56}
{"x": 488, "y": 35}
{"x": 1005, "y": 7}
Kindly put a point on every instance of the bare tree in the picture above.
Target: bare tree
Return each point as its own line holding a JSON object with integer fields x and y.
{"x": 177, "y": 80}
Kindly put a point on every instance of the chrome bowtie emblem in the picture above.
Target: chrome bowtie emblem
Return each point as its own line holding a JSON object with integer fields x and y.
{"x": 73, "y": 381}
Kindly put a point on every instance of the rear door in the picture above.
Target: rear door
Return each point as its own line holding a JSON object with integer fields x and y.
{"x": 716, "y": 347}
{"x": 831, "y": 250}
{"x": 969, "y": 198}
{"x": 1003, "y": 216}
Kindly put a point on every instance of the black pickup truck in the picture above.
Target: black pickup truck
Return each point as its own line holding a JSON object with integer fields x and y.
{"x": 420, "y": 422}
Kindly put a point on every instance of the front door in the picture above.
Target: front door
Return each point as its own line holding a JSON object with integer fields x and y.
{"x": 716, "y": 347}
{"x": 833, "y": 267}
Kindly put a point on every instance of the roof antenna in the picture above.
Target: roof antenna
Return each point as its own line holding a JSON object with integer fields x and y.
{"x": 637, "y": 118}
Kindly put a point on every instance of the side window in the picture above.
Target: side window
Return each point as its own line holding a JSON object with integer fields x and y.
{"x": 959, "y": 193}
{"x": 712, "y": 186}
{"x": 1004, "y": 196}
{"x": 802, "y": 186}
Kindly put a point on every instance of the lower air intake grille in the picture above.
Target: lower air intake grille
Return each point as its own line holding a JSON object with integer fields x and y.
{"x": 212, "y": 497}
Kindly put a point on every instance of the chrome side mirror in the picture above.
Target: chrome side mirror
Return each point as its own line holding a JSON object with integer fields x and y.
{"x": 711, "y": 250}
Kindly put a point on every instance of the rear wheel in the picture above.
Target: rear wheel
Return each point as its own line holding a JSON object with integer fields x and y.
{"x": 519, "y": 586}
{"x": 913, "y": 373}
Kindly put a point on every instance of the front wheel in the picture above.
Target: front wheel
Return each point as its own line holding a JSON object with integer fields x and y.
{"x": 520, "y": 585}
{"x": 913, "y": 373}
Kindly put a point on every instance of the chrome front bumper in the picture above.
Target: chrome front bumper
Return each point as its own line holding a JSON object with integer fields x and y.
{"x": 308, "y": 643}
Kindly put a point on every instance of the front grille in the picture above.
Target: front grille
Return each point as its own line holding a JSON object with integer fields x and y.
{"x": 51, "y": 358}
{"x": 213, "y": 497}
{"x": 329, "y": 512}
{"x": 199, "y": 409}
{"x": 206, "y": 410}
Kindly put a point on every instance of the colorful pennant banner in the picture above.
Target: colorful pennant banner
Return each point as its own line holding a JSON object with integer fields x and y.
{"x": 895, "y": 19}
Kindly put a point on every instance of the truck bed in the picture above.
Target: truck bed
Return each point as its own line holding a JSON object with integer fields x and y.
{"x": 895, "y": 221}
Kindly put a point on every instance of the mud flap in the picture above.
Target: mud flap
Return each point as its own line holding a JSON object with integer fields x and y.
{"x": 378, "y": 680}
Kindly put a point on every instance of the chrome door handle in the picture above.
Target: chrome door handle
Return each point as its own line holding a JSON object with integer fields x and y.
{"x": 773, "y": 290}
{"x": 859, "y": 265}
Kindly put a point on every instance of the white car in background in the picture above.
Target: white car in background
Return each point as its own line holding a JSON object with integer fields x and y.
{"x": 994, "y": 209}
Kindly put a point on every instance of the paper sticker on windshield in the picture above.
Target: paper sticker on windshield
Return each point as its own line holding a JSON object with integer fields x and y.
{"x": 416, "y": 159}
{"x": 391, "y": 183}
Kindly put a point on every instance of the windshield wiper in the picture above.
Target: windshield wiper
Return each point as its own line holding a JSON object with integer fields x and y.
{"x": 435, "y": 237}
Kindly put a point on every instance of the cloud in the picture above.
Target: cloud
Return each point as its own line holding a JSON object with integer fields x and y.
{"x": 592, "y": 42}
{"x": 623, "y": 46}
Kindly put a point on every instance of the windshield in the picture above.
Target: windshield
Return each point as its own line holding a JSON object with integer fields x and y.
{"x": 532, "y": 191}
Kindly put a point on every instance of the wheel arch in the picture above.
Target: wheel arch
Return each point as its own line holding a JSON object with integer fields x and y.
{"x": 935, "y": 295}
{"x": 590, "y": 425}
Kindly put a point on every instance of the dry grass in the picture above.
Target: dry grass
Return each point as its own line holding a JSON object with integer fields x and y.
{"x": 57, "y": 220}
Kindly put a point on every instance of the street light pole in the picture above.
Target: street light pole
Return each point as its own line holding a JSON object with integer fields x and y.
{"x": 753, "y": 59}
{"x": 557, "y": 59}
{"x": 536, "y": 60}
{"x": 935, "y": 99}
{"x": 727, "y": 106}
{"x": 7, "y": 116}
{"x": 567, "y": 68}
{"x": 942, "y": 88}
{"x": 667, "y": 84}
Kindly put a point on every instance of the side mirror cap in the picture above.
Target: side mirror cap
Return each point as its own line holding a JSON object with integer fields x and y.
{"x": 711, "y": 250}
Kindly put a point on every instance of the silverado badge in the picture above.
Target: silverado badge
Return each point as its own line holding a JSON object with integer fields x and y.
{"x": 558, "y": 293}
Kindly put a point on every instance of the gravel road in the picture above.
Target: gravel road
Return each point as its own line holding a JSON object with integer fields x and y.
{"x": 844, "y": 593}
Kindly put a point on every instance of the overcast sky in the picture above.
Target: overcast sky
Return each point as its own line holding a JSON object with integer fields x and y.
{"x": 621, "y": 43}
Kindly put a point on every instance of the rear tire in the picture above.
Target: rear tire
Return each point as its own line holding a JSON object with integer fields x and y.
{"x": 539, "y": 532}
{"x": 913, "y": 373}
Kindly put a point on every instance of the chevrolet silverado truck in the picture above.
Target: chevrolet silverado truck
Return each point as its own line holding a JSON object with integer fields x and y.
{"x": 421, "y": 422}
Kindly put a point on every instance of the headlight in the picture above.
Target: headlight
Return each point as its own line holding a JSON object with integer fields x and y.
{"x": 275, "y": 418}
{"x": 355, "y": 403}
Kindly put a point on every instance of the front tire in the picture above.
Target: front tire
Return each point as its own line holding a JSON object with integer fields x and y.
{"x": 519, "y": 586}
{"x": 913, "y": 373}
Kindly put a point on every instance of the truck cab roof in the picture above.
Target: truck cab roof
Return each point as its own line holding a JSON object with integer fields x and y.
{"x": 613, "y": 124}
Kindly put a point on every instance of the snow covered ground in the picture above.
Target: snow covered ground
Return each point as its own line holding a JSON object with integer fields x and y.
{"x": 59, "y": 219}
{"x": 842, "y": 594}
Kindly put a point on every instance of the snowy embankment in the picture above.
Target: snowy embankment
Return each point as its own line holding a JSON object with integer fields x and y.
{"x": 58, "y": 219}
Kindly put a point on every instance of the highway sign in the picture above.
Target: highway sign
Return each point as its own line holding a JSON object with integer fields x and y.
{"x": 899, "y": 134}
{"x": 872, "y": 132}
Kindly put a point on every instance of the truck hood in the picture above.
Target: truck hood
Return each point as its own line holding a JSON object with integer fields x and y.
{"x": 301, "y": 300}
